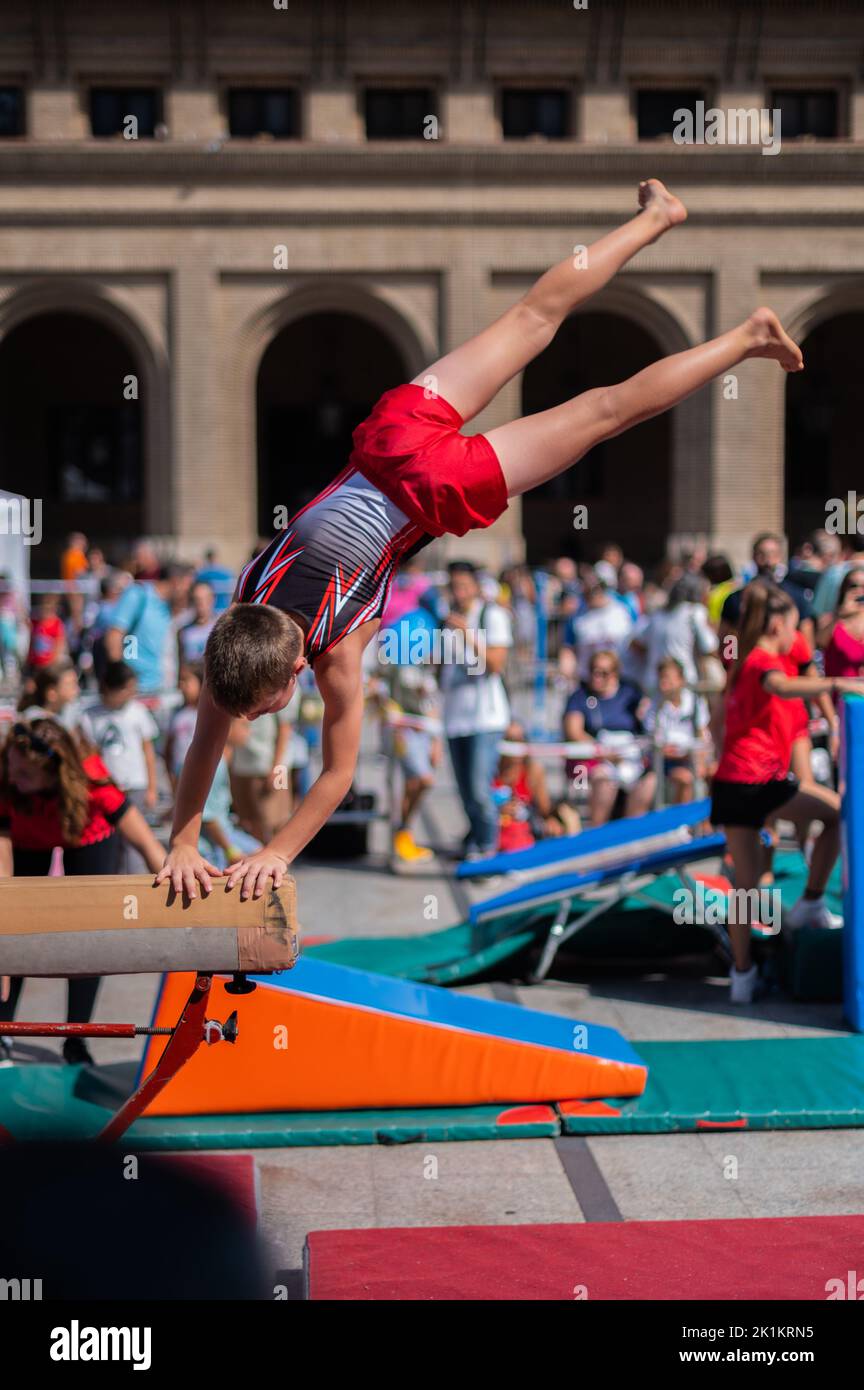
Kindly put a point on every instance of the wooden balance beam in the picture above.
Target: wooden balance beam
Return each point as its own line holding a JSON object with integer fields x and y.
{"x": 122, "y": 925}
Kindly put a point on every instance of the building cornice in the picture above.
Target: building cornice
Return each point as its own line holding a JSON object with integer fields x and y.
{"x": 248, "y": 217}
{"x": 406, "y": 164}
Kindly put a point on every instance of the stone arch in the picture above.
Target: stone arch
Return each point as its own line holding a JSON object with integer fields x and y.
{"x": 93, "y": 300}
{"x": 310, "y": 300}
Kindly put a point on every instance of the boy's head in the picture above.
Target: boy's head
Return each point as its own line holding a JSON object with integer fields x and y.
{"x": 252, "y": 660}
{"x": 117, "y": 684}
{"x": 670, "y": 676}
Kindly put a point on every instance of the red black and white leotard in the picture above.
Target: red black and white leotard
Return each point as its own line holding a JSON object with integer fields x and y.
{"x": 334, "y": 563}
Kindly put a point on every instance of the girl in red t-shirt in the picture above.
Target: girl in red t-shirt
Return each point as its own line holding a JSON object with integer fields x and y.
{"x": 762, "y": 721}
{"x": 53, "y": 792}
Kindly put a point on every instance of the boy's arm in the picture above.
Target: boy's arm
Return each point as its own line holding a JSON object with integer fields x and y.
{"x": 184, "y": 865}
{"x": 340, "y": 680}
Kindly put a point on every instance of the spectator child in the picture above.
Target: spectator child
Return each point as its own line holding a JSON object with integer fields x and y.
{"x": 678, "y": 718}
{"x": 124, "y": 732}
{"x": 182, "y": 724}
{"x": 47, "y": 633}
{"x": 53, "y": 693}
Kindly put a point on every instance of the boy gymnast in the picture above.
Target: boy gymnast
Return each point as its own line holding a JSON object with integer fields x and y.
{"x": 316, "y": 593}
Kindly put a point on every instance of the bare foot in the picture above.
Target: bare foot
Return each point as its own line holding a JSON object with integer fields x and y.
{"x": 655, "y": 199}
{"x": 770, "y": 340}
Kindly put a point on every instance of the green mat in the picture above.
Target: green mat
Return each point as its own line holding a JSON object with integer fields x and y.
{"x": 457, "y": 955}
{"x": 452, "y": 956}
{"x": 765, "y": 1083}
{"x": 51, "y": 1102}
{"x": 771, "y": 1083}
{"x": 633, "y": 930}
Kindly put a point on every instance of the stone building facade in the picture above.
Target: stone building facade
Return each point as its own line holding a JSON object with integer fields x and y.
{"x": 319, "y": 198}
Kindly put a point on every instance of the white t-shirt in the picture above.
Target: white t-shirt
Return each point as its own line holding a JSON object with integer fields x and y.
{"x": 254, "y": 758}
{"x": 120, "y": 735}
{"x": 684, "y": 633}
{"x": 601, "y": 629}
{"x": 678, "y": 725}
{"x": 475, "y": 701}
{"x": 181, "y": 730}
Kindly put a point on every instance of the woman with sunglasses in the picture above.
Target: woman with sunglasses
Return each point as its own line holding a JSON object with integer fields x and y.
{"x": 55, "y": 791}
{"x": 844, "y": 654}
{"x": 609, "y": 711}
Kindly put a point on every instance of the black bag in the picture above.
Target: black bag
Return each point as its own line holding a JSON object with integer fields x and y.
{"x": 346, "y": 834}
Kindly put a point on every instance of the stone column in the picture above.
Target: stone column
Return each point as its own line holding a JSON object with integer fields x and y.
{"x": 56, "y": 113}
{"x": 603, "y": 115}
{"x": 468, "y": 116}
{"x": 192, "y": 113}
{"x": 331, "y": 114}
{"x": 470, "y": 304}
{"x": 747, "y": 489}
{"x": 208, "y": 495}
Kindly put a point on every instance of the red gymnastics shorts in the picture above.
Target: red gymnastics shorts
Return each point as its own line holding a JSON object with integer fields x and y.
{"x": 410, "y": 447}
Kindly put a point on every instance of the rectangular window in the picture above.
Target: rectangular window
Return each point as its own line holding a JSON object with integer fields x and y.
{"x": 398, "y": 113}
{"x": 11, "y": 112}
{"x": 527, "y": 111}
{"x": 656, "y": 107}
{"x": 813, "y": 112}
{"x": 131, "y": 111}
{"x": 263, "y": 111}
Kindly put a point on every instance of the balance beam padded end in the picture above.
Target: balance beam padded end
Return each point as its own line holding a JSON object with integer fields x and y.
{"x": 123, "y": 925}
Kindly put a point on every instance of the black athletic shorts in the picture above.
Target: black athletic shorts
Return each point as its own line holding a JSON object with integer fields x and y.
{"x": 749, "y": 803}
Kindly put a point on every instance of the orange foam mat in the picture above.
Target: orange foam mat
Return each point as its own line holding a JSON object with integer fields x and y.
{"x": 375, "y": 1042}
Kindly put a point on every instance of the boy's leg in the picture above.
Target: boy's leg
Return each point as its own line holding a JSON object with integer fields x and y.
{"x": 539, "y": 447}
{"x": 470, "y": 376}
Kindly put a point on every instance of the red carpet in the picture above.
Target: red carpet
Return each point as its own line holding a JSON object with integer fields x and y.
{"x": 785, "y": 1258}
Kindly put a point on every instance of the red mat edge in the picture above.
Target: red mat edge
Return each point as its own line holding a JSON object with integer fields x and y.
{"x": 426, "y": 1282}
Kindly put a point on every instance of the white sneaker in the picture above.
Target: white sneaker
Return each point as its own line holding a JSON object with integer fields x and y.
{"x": 812, "y": 912}
{"x": 742, "y": 985}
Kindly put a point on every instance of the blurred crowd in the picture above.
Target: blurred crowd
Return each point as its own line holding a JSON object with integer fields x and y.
{"x": 568, "y": 694}
{"x": 631, "y": 669}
